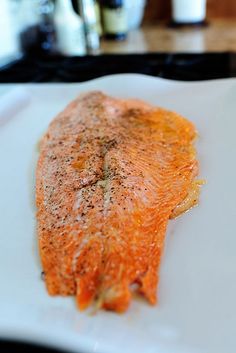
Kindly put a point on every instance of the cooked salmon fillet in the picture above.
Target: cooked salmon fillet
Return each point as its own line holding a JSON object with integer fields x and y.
{"x": 109, "y": 176}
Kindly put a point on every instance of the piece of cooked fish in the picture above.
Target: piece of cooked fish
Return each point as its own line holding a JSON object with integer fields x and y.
{"x": 110, "y": 175}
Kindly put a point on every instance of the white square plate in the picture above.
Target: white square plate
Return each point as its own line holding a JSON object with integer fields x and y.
{"x": 196, "y": 312}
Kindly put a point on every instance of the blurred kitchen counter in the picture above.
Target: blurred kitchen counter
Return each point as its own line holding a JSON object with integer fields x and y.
{"x": 218, "y": 36}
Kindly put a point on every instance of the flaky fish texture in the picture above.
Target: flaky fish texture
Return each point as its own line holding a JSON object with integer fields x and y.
{"x": 110, "y": 175}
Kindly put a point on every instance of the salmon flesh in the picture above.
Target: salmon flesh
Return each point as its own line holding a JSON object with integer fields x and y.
{"x": 110, "y": 175}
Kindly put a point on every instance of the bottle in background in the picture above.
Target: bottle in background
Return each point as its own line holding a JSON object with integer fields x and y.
{"x": 46, "y": 27}
{"x": 87, "y": 11}
{"x": 29, "y": 27}
{"x": 114, "y": 17}
{"x": 69, "y": 29}
{"x": 38, "y": 33}
{"x": 8, "y": 34}
{"x": 98, "y": 17}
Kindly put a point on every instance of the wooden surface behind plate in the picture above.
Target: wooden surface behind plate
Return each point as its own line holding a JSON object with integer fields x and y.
{"x": 219, "y": 36}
